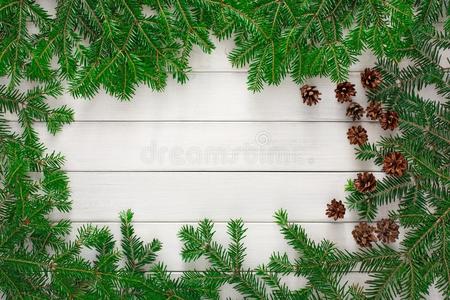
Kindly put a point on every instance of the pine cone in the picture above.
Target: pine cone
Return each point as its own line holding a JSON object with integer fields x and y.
{"x": 363, "y": 234}
{"x": 389, "y": 120}
{"x": 357, "y": 135}
{"x": 310, "y": 94}
{"x": 345, "y": 91}
{"x": 335, "y": 210}
{"x": 374, "y": 110}
{"x": 395, "y": 164}
{"x": 387, "y": 230}
{"x": 355, "y": 111}
{"x": 370, "y": 78}
{"x": 365, "y": 182}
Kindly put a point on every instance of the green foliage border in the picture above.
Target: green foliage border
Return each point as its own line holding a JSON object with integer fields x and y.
{"x": 118, "y": 45}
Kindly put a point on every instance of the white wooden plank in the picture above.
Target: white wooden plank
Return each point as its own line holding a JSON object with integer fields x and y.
{"x": 212, "y": 146}
{"x": 220, "y": 196}
{"x": 262, "y": 239}
{"x": 218, "y": 59}
{"x": 218, "y": 96}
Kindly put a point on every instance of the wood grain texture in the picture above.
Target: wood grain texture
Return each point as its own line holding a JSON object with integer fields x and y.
{"x": 210, "y": 146}
{"x": 220, "y": 196}
{"x": 218, "y": 96}
{"x": 218, "y": 59}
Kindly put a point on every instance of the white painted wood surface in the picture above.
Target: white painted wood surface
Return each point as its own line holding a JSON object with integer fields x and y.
{"x": 215, "y": 97}
{"x": 112, "y": 166}
{"x": 164, "y": 196}
{"x": 218, "y": 96}
{"x": 209, "y": 146}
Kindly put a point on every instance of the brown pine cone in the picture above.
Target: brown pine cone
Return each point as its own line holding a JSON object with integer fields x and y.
{"x": 387, "y": 230}
{"x": 374, "y": 110}
{"x": 363, "y": 234}
{"x": 370, "y": 78}
{"x": 310, "y": 94}
{"x": 357, "y": 135}
{"x": 366, "y": 182}
{"x": 355, "y": 111}
{"x": 395, "y": 164}
{"x": 344, "y": 92}
{"x": 389, "y": 120}
{"x": 335, "y": 210}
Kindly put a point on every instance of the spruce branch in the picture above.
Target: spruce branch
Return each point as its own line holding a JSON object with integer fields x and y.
{"x": 105, "y": 44}
{"x": 423, "y": 200}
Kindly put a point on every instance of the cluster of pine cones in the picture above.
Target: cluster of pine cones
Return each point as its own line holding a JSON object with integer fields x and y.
{"x": 394, "y": 164}
{"x": 385, "y": 230}
{"x": 370, "y": 79}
